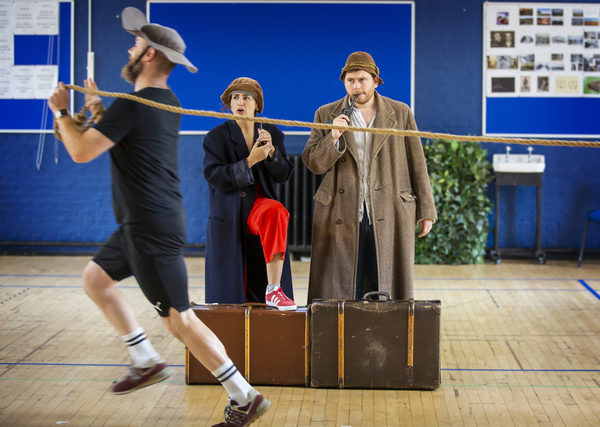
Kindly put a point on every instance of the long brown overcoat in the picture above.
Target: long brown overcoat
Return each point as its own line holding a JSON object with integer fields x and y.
{"x": 400, "y": 195}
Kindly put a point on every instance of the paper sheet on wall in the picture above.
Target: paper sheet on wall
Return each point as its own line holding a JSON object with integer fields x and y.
{"x": 23, "y": 18}
{"x": 6, "y": 10}
{"x": 6, "y": 83}
{"x": 23, "y": 82}
{"x": 46, "y": 79}
{"x": 46, "y": 18}
{"x": 7, "y": 50}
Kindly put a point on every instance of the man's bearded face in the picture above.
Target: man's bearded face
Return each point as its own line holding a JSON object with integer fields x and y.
{"x": 132, "y": 69}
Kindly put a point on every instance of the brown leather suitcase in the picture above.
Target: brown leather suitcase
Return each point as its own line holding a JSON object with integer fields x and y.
{"x": 268, "y": 346}
{"x": 375, "y": 344}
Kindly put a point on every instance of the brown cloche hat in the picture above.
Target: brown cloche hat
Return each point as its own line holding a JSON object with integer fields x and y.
{"x": 165, "y": 39}
{"x": 244, "y": 84}
{"x": 361, "y": 61}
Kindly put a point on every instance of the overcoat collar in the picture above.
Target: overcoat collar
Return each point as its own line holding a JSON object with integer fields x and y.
{"x": 237, "y": 137}
{"x": 384, "y": 118}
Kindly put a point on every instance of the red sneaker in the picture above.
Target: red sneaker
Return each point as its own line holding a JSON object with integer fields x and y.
{"x": 241, "y": 416}
{"x": 278, "y": 299}
{"x": 136, "y": 378}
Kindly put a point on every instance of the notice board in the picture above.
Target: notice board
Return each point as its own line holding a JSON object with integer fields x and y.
{"x": 541, "y": 68}
{"x": 36, "y": 51}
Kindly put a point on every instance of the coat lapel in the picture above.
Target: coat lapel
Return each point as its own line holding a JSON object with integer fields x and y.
{"x": 385, "y": 118}
{"x": 237, "y": 137}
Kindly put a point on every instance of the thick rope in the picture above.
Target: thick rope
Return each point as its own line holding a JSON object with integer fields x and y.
{"x": 82, "y": 122}
{"x": 294, "y": 123}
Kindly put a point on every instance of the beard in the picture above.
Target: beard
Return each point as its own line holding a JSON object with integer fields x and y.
{"x": 131, "y": 71}
{"x": 364, "y": 98}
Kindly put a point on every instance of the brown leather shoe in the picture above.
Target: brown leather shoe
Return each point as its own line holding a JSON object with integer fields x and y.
{"x": 136, "y": 378}
{"x": 242, "y": 416}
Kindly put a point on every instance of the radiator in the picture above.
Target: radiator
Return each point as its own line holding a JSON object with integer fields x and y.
{"x": 297, "y": 197}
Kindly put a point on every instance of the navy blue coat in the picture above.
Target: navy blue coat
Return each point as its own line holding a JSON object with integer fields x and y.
{"x": 231, "y": 187}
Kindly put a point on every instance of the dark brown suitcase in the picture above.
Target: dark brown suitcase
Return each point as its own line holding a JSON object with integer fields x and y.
{"x": 375, "y": 344}
{"x": 268, "y": 346}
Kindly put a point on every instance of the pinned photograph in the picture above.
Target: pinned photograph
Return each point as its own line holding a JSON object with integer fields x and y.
{"x": 542, "y": 39}
{"x": 575, "y": 40}
{"x": 525, "y": 84}
{"x": 577, "y": 22}
{"x": 559, "y": 40}
{"x": 492, "y": 62}
{"x": 591, "y": 85}
{"x": 557, "y": 57}
{"x": 502, "y": 39}
{"x": 527, "y": 11}
{"x": 542, "y": 66}
{"x": 507, "y": 62}
{"x": 526, "y": 21}
{"x": 502, "y": 18}
{"x": 578, "y": 13}
{"x": 544, "y": 12}
{"x": 543, "y": 84}
{"x": 557, "y": 66}
{"x": 589, "y": 35}
{"x": 576, "y": 62}
{"x": 557, "y": 21}
{"x": 503, "y": 84}
{"x": 526, "y": 39}
{"x": 527, "y": 62}
{"x": 557, "y": 12}
{"x": 591, "y": 44}
{"x": 590, "y": 63}
{"x": 590, "y": 22}
{"x": 544, "y": 20}
{"x": 566, "y": 84}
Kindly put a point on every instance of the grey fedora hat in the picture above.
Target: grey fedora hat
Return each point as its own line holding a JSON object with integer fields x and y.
{"x": 165, "y": 39}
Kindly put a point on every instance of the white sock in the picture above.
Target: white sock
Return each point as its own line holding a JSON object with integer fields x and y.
{"x": 273, "y": 287}
{"x": 140, "y": 349}
{"x": 237, "y": 387}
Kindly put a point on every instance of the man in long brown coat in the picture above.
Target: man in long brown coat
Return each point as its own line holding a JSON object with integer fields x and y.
{"x": 375, "y": 189}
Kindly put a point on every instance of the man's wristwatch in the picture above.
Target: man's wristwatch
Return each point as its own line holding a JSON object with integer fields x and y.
{"x": 62, "y": 113}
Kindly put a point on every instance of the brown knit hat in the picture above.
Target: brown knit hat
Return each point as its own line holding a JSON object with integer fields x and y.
{"x": 361, "y": 61}
{"x": 244, "y": 84}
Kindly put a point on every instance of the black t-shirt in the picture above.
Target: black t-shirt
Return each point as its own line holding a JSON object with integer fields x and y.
{"x": 144, "y": 163}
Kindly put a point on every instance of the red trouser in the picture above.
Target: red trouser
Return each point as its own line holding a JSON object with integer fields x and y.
{"x": 268, "y": 219}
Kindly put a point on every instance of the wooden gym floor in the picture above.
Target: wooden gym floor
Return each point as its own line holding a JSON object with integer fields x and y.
{"x": 520, "y": 347}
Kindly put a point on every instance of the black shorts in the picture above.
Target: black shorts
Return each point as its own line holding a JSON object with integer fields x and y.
{"x": 156, "y": 261}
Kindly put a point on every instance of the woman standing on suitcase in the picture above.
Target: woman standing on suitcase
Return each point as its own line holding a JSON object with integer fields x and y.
{"x": 246, "y": 237}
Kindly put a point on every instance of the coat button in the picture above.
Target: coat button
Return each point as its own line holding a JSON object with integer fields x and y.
{"x": 410, "y": 196}
{"x": 243, "y": 194}
{"x": 343, "y": 159}
{"x": 341, "y": 191}
{"x": 339, "y": 221}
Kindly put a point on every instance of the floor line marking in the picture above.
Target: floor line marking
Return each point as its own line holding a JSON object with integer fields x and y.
{"x": 216, "y": 385}
{"x": 522, "y": 279}
{"x": 305, "y": 289}
{"x": 589, "y": 288}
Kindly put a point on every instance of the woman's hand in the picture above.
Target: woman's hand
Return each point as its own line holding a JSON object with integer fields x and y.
{"x": 265, "y": 137}
{"x": 261, "y": 149}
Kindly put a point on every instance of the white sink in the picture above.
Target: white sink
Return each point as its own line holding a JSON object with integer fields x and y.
{"x": 519, "y": 163}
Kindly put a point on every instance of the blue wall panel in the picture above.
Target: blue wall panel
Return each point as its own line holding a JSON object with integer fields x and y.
{"x": 71, "y": 202}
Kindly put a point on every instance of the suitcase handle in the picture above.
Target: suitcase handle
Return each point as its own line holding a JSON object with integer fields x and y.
{"x": 369, "y": 295}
